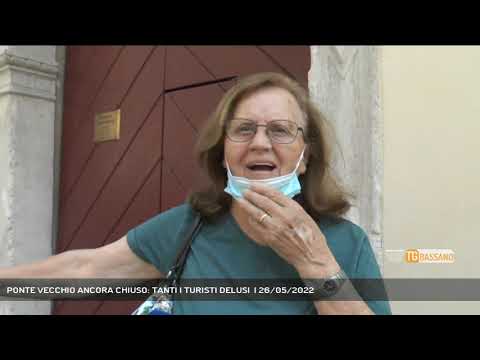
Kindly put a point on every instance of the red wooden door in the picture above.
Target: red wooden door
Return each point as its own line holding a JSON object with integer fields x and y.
{"x": 165, "y": 94}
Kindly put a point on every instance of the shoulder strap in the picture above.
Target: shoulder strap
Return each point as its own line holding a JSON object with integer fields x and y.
{"x": 176, "y": 270}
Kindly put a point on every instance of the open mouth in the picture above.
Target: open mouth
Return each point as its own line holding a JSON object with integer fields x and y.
{"x": 261, "y": 167}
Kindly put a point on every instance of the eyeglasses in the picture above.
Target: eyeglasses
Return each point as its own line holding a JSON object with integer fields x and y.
{"x": 278, "y": 131}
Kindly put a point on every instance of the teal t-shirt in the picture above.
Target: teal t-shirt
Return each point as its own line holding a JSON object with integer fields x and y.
{"x": 222, "y": 250}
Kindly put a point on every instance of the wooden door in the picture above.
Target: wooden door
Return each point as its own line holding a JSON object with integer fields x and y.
{"x": 165, "y": 93}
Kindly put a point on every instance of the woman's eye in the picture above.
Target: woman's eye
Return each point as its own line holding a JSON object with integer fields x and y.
{"x": 245, "y": 129}
{"x": 279, "y": 130}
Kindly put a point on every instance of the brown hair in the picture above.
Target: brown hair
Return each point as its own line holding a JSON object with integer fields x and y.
{"x": 321, "y": 193}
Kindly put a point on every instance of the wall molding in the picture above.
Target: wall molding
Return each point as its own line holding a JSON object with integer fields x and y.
{"x": 27, "y": 77}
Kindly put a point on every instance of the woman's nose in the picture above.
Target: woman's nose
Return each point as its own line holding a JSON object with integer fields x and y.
{"x": 261, "y": 139}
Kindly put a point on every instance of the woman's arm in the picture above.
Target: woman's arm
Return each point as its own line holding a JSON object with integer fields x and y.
{"x": 115, "y": 260}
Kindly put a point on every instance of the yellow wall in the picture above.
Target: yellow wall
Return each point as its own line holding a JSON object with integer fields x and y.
{"x": 431, "y": 103}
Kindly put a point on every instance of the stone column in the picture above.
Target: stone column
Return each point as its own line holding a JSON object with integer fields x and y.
{"x": 28, "y": 90}
{"x": 344, "y": 82}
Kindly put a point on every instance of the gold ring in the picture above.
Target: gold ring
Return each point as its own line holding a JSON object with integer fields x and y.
{"x": 262, "y": 218}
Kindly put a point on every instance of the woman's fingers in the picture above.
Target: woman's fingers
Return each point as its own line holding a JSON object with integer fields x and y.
{"x": 274, "y": 195}
{"x": 263, "y": 203}
{"x": 276, "y": 204}
{"x": 256, "y": 214}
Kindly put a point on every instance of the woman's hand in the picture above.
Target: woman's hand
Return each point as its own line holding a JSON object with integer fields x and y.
{"x": 282, "y": 224}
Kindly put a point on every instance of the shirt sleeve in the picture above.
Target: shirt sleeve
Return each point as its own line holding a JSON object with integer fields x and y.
{"x": 157, "y": 240}
{"x": 368, "y": 273}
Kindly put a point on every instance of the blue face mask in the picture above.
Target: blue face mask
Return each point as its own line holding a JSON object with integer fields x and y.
{"x": 288, "y": 184}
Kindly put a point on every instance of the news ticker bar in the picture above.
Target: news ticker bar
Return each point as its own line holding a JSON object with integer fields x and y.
{"x": 238, "y": 289}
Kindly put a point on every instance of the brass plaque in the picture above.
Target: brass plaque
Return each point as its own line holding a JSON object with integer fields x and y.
{"x": 107, "y": 126}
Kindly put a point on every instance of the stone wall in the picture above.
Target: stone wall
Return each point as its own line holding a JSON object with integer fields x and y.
{"x": 344, "y": 82}
{"x": 29, "y": 83}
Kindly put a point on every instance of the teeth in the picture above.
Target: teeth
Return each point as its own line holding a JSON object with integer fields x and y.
{"x": 263, "y": 167}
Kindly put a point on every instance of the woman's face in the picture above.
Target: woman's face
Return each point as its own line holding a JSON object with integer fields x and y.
{"x": 260, "y": 158}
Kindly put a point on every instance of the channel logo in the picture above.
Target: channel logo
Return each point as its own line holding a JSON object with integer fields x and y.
{"x": 430, "y": 256}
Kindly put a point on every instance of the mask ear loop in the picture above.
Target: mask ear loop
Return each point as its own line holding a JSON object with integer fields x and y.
{"x": 300, "y": 160}
{"x": 228, "y": 170}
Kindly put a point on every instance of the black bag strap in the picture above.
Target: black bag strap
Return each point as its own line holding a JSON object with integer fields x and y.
{"x": 175, "y": 272}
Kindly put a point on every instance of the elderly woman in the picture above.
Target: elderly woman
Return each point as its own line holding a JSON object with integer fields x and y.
{"x": 273, "y": 211}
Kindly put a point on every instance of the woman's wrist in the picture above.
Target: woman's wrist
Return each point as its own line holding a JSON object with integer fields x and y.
{"x": 319, "y": 271}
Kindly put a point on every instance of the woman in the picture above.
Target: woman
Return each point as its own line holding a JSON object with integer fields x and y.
{"x": 265, "y": 128}
{"x": 273, "y": 211}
